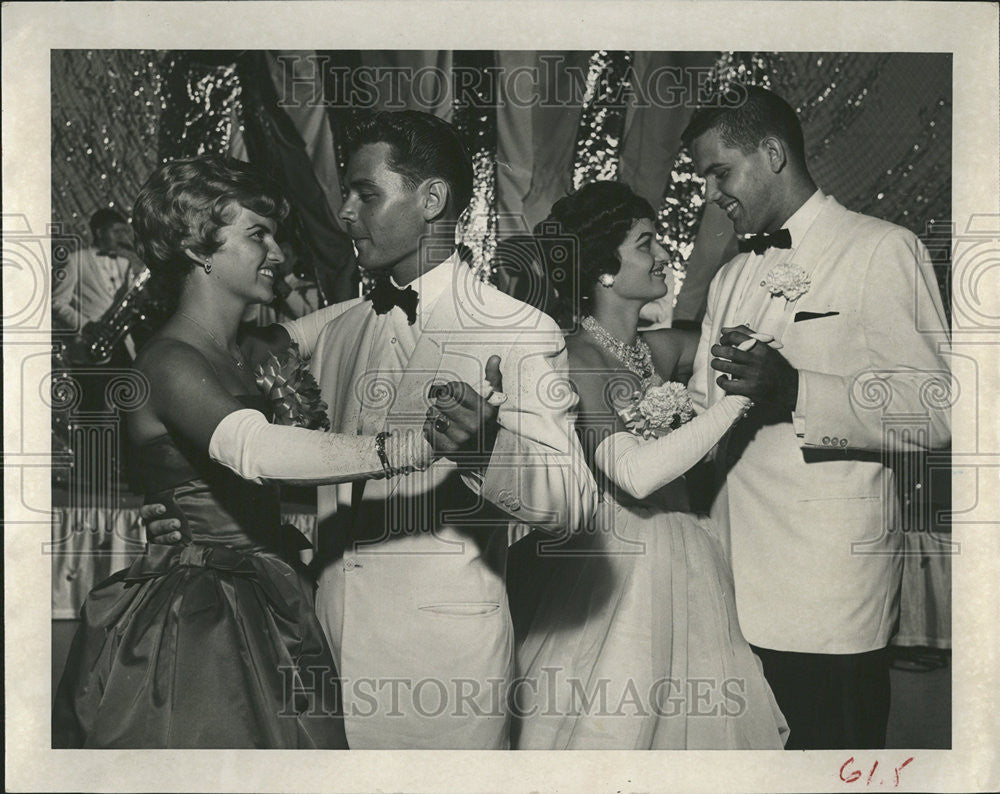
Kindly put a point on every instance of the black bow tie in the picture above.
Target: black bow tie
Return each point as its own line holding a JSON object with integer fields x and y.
{"x": 384, "y": 295}
{"x": 759, "y": 243}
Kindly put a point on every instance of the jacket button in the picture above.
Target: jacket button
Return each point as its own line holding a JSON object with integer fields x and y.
{"x": 835, "y": 441}
{"x": 843, "y": 442}
{"x": 826, "y": 440}
{"x": 515, "y": 504}
{"x": 349, "y": 565}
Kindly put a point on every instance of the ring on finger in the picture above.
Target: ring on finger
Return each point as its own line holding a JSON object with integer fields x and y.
{"x": 441, "y": 423}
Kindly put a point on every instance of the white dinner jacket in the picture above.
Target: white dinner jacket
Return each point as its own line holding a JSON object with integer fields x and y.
{"x": 411, "y": 585}
{"x": 810, "y": 505}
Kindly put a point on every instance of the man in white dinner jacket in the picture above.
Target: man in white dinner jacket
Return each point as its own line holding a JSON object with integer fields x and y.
{"x": 411, "y": 568}
{"x": 859, "y": 339}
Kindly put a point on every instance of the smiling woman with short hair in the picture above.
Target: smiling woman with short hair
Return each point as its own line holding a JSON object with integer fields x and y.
{"x": 213, "y": 642}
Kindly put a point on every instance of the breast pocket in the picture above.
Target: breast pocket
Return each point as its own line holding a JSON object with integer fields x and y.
{"x": 462, "y": 609}
{"x": 818, "y": 341}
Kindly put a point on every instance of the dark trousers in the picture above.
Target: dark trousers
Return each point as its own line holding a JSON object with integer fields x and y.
{"x": 831, "y": 702}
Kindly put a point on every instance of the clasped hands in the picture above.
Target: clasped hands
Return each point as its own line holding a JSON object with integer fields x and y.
{"x": 462, "y": 424}
{"x": 753, "y": 367}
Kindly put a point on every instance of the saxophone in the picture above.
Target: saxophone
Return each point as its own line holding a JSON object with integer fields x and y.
{"x": 99, "y": 338}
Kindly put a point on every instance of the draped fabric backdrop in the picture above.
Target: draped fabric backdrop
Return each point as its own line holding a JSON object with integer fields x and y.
{"x": 537, "y": 124}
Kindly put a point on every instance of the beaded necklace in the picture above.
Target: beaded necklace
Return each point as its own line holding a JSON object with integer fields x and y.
{"x": 636, "y": 357}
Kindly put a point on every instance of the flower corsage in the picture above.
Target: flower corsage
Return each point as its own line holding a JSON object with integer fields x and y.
{"x": 658, "y": 410}
{"x": 292, "y": 390}
{"x": 788, "y": 280}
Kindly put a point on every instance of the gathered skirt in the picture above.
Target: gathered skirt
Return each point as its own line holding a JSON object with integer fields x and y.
{"x": 200, "y": 646}
{"x": 629, "y": 639}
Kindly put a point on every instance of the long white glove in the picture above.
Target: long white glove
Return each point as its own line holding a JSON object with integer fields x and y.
{"x": 640, "y": 466}
{"x": 256, "y": 450}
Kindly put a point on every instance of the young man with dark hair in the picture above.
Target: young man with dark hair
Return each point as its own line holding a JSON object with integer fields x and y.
{"x": 815, "y": 542}
{"x": 411, "y": 568}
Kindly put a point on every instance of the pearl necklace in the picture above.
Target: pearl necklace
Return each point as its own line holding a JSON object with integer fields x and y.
{"x": 237, "y": 361}
{"x": 636, "y": 357}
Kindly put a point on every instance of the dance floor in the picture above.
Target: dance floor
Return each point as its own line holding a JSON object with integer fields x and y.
{"x": 920, "y": 716}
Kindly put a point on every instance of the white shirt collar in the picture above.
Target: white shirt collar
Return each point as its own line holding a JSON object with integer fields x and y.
{"x": 804, "y": 216}
{"x": 431, "y": 284}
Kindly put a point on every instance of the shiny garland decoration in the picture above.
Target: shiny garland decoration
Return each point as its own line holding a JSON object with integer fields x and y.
{"x": 202, "y": 95}
{"x": 475, "y": 118}
{"x": 679, "y": 215}
{"x": 602, "y": 117}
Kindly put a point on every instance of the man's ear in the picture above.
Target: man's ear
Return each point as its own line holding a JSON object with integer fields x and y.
{"x": 776, "y": 153}
{"x": 435, "y": 194}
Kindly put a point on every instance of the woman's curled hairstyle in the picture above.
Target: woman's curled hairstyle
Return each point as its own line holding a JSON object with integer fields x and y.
{"x": 579, "y": 242}
{"x": 185, "y": 202}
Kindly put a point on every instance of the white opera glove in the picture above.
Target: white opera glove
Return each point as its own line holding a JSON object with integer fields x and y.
{"x": 640, "y": 467}
{"x": 256, "y": 450}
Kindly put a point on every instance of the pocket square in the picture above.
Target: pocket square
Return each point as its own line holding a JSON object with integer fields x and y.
{"x": 800, "y": 316}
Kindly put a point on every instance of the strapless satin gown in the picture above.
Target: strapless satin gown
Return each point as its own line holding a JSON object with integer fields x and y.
{"x": 628, "y": 639}
{"x": 210, "y": 644}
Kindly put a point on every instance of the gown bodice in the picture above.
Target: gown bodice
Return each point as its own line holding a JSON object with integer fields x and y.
{"x": 218, "y": 506}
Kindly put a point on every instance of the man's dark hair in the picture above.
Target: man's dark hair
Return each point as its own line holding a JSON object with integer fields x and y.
{"x": 102, "y": 219}
{"x": 422, "y": 146}
{"x": 760, "y": 114}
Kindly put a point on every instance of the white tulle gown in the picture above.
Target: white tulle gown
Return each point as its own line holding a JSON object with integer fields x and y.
{"x": 629, "y": 635}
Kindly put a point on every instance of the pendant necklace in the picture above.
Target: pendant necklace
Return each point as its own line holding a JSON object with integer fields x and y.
{"x": 240, "y": 364}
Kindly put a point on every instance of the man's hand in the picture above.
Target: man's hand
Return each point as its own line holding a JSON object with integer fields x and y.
{"x": 165, "y": 531}
{"x": 759, "y": 372}
{"x": 462, "y": 425}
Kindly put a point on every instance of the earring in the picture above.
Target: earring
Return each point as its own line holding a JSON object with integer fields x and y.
{"x": 606, "y": 280}
{"x": 208, "y": 268}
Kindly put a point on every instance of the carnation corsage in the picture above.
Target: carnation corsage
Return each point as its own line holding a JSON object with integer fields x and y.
{"x": 788, "y": 280}
{"x": 292, "y": 390}
{"x": 658, "y": 410}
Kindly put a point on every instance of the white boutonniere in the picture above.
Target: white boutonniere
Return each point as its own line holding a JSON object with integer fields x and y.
{"x": 788, "y": 280}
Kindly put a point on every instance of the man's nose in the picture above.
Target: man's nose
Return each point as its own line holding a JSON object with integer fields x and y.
{"x": 347, "y": 213}
{"x": 711, "y": 189}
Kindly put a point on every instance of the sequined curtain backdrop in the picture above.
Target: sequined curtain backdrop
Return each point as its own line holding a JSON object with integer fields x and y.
{"x": 106, "y": 110}
{"x": 878, "y": 130}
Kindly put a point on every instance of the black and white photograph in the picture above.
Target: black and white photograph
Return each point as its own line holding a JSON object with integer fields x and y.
{"x": 395, "y": 398}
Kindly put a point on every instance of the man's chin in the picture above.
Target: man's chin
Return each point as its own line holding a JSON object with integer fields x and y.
{"x": 375, "y": 268}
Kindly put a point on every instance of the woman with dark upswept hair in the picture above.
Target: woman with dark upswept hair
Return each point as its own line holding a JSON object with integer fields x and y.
{"x": 214, "y": 642}
{"x": 628, "y": 637}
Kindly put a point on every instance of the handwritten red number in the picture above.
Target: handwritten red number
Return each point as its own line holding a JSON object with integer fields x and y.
{"x": 853, "y": 775}
{"x": 900, "y": 767}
